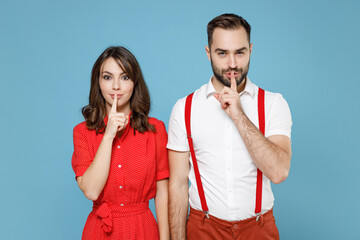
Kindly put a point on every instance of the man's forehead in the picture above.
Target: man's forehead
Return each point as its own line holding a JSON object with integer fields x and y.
{"x": 230, "y": 38}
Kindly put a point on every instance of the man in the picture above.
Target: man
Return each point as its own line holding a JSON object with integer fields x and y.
{"x": 235, "y": 160}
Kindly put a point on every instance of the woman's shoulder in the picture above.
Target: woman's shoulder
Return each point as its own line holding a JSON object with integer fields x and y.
{"x": 157, "y": 123}
{"x": 82, "y": 128}
{"x": 154, "y": 121}
{"x": 81, "y": 125}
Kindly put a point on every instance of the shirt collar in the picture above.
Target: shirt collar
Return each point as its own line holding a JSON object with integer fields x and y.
{"x": 210, "y": 88}
{"x": 249, "y": 88}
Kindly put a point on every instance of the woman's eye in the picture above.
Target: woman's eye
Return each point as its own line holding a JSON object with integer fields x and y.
{"x": 107, "y": 77}
{"x": 125, "y": 77}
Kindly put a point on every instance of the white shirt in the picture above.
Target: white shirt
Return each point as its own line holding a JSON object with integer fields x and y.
{"x": 227, "y": 171}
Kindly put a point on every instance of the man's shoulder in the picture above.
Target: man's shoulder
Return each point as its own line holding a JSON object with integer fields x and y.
{"x": 269, "y": 95}
{"x": 274, "y": 97}
{"x": 201, "y": 91}
{"x": 179, "y": 106}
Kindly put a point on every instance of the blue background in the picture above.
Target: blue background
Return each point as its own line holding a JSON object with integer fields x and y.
{"x": 307, "y": 50}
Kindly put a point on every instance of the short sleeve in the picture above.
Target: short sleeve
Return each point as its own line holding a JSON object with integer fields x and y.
{"x": 177, "y": 139}
{"x": 81, "y": 158}
{"x": 162, "y": 162}
{"x": 280, "y": 121}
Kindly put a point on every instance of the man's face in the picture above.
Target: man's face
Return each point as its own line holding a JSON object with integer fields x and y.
{"x": 229, "y": 52}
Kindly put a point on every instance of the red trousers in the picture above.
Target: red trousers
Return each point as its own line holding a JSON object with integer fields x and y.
{"x": 200, "y": 227}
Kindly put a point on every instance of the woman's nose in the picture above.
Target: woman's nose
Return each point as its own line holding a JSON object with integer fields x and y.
{"x": 116, "y": 84}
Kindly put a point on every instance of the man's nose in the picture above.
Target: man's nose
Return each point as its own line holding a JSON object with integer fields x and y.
{"x": 232, "y": 61}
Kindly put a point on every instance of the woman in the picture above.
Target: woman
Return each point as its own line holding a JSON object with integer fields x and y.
{"x": 120, "y": 159}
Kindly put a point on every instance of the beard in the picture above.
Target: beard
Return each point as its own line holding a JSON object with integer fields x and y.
{"x": 220, "y": 74}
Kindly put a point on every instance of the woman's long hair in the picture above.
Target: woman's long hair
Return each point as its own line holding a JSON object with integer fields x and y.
{"x": 95, "y": 112}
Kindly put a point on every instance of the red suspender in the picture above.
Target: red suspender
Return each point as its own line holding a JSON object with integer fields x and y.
{"x": 193, "y": 157}
{"x": 261, "y": 113}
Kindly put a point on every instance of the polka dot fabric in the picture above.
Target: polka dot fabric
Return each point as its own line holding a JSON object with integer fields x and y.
{"x": 137, "y": 162}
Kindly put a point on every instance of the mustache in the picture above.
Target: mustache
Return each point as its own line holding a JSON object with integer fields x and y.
{"x": 238, "y": 70}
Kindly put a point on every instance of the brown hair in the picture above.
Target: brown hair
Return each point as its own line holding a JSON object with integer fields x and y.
{"x": 95, "y": 112}
{"x": 228, "y": 21}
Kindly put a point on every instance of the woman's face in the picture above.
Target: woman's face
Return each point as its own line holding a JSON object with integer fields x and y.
{"x": 113, "y": 80}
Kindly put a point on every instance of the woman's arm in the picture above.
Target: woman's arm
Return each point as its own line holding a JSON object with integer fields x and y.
{"x": 161, "y": 205}
{"x": 92, "y": 182}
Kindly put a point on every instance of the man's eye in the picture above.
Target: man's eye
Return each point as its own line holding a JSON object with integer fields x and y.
{"x": 240, "y": 53}
{"x": 221, "y": 54}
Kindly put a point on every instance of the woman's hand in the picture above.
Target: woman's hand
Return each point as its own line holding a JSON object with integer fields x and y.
{"x": 116, "y": 121}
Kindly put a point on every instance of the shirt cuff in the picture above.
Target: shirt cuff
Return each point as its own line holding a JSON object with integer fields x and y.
{"x": 178, "y": 148}
{"x": 162, "y": 175}
{"x": 80, "y": 170}
{"x": 285, "y": 133}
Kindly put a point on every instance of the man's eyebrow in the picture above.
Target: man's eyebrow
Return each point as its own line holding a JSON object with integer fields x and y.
{"x": 237, "y": 50}
{"x": 241, "y": 49}
{"x": 220, "y": 50}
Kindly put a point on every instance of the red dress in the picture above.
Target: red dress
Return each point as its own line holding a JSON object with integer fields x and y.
{"x": 137, "y": 162}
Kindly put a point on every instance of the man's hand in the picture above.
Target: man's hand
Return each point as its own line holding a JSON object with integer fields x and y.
{"x": 230, "y": 100}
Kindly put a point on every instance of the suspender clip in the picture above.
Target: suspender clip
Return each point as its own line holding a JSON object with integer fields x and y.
{"x": 258, "y": 216}
{"x": 207, "y": 214}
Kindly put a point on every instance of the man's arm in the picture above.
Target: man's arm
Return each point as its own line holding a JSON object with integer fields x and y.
{"x": 271, "y": 155}
{"x": 178, "y": 193}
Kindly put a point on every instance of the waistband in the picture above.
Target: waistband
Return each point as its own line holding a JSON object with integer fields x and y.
{"x": 229, "y": 224}
{"x": 107, "y": 212}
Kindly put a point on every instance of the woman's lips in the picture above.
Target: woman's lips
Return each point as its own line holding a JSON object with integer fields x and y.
{"x": 118, "y": 96}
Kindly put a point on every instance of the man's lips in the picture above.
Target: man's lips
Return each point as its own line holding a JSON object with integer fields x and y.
{"x": 228, "y": 74}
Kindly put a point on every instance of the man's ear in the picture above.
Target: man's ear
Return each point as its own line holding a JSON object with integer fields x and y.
{"x": 207, "y": 49}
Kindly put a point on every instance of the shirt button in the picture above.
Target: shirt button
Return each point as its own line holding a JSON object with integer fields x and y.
{"x": 118, "y": 146}
{"x": 120, "y": 187}
{"x": 119, "y": 166}
{"x": 121, "y": 204}
{"x": 235, "y": 226}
